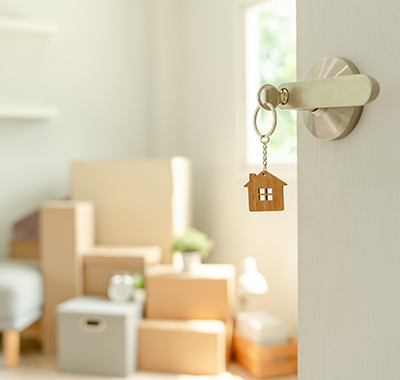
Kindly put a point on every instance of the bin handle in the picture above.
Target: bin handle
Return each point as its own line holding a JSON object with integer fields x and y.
{"x": 92, "y": 324}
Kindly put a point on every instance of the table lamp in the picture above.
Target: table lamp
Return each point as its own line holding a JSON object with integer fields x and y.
{"x": 251, "y": 282}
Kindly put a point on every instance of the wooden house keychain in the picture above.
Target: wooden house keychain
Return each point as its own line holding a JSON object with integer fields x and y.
{"x": 266, "y": 190}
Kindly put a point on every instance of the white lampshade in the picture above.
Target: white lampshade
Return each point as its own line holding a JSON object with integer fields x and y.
{"x": 251, "y": 281}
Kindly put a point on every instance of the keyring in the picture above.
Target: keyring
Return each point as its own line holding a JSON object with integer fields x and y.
{"x": 271, "y": 131}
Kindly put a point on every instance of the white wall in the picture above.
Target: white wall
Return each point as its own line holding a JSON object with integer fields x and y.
{"x": 349, "y": 239}
{"x": 95, "y": 69}
{"x": 166, "y": 53}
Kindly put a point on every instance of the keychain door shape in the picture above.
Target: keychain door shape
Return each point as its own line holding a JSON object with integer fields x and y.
{"x": 266, "y": 190}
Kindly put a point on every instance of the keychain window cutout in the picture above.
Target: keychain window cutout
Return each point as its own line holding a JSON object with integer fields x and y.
{"x": 272, "y": 197}
{"x": 267, "y": 196}
{"x": 265, "y": 191}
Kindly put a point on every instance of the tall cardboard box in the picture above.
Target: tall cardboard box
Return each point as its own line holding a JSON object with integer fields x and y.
{"x": 187, "y": 347}
{"x": 207, "y": 293}
{"x": 137, "y": 202}
{"x": 102, "y": 262}
{"x": 66, "y": 231}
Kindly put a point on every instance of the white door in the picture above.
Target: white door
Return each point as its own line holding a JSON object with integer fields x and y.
{"x": 349, "y": 203}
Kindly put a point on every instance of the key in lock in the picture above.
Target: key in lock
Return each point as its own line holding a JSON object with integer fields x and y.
{"x": 272, "y": 96}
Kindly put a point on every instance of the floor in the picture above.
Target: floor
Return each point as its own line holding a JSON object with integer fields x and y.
{"x": 40, "y": 367}
{"x": 36, "y": 366}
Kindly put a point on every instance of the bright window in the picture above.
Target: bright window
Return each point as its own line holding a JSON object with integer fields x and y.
{"x": 270, "y": 50}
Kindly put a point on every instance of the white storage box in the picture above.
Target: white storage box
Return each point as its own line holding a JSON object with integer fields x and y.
{"x": 262, "y": 328}
{"x": 96, "y": 336}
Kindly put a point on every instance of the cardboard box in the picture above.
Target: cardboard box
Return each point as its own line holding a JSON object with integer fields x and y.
{"x": 265, "y": 361}
{"x": 66, "y": 231}
{"x": 25, "y": 241}
{"x": 137, "y": 202}
{"x": 229, "y": 326}
{"x": 207, "y": 293}
{"x": 24, "y": 249}
{"x": 102, "y": 262}
{"x": 188, "y": 347}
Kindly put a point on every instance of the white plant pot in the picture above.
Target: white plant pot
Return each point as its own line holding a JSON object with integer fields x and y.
{"x": 191, "y": 261}
{"x": 140, "y": 295}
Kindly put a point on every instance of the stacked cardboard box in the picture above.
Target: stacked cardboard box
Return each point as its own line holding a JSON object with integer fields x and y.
{"x": 188, "y": 316}
{"x": 67, "y": 240}
{"x": 195, "y": 347}
{"x": 136, "y": 202}
{"x": 207, "y": 293}
{"x": 119, "y": 212}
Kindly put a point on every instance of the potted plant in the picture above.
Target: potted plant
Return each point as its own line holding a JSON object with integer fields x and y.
{"x": 138, "y": 284}
{"x": 194, "y": 246}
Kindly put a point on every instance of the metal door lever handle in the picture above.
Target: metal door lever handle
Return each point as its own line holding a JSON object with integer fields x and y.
{"x": 330, "y": 99}
{"x": 341, "y": 91}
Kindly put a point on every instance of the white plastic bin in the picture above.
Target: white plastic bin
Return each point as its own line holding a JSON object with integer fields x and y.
{"x": 261, "y": 328}
{"x": 96, "y": 336}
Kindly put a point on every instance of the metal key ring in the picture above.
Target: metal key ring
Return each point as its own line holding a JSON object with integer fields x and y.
{"x": 271, "y": 131}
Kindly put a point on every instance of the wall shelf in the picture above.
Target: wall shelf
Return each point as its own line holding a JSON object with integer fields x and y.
{"x": 28, "y": 112}
{"x": 26, "y": 26}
